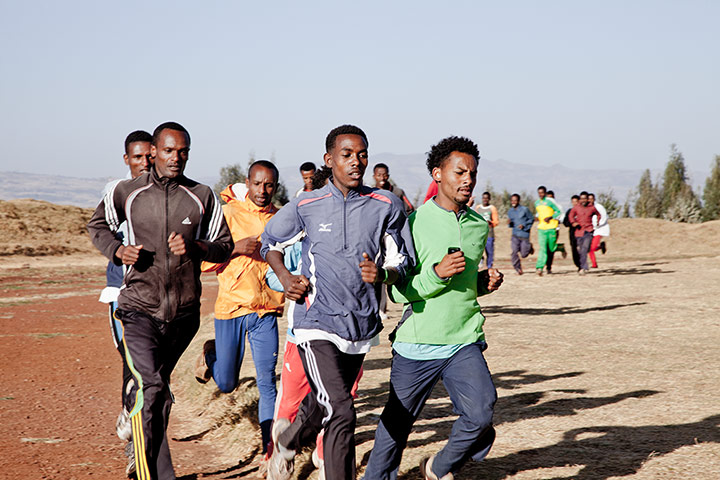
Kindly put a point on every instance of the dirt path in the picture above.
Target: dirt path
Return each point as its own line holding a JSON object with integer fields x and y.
{"x": 609, "y": 376}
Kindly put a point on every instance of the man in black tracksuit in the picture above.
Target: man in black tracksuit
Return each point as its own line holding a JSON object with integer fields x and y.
{"x": 173, "y": 224}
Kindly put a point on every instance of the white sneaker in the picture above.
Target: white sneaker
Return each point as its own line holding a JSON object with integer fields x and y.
{"x": 319, "y": 464}
{"x": 282, "y": 461}
{"x": 427, "y": 473}
{"x": 123, "y": 427}
{"x": 130, "y": 453}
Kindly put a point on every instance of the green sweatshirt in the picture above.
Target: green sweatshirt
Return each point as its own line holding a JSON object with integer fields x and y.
{"x": 444, "y": 312}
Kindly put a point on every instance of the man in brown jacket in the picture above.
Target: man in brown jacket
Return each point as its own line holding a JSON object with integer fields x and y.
{"x": 173, "y": 223}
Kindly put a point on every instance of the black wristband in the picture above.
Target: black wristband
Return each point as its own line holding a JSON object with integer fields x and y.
{"x": 382, "y": 275}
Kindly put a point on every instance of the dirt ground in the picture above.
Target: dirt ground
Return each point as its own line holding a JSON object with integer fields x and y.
{"x": 612, "y": 375}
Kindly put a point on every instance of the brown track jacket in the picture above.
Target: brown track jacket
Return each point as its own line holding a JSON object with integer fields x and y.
{"x": 161, "y": 284}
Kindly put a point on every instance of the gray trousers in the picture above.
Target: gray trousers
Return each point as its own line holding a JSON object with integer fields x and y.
{"x": 583, "y": 247}
{"x": 520, "y": 248}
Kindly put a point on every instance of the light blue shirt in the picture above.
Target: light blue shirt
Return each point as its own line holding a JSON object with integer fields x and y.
{"x": 422, "y": 351}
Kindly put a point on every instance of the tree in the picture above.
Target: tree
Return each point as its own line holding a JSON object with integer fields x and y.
{"x": 235, "y": 173}
{"x": 230, "y": 174}
{"x": 607, "y": 199}
{"x": 679, "y": 202}
{"x": 626, "y": 205}
{"x": 501, "y": 200}
{"x": 711, "y": 194}
{"x": 648, "y": 204}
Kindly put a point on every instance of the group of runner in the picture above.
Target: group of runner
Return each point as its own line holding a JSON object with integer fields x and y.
{"x": 334, "y": 254}
{"x": 587, "y": 221}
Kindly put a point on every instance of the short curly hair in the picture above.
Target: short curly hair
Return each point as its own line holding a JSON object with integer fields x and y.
{"x": 441, "y": 151}
{"x": 321, "y": 177}
{"x": 343, "y": 130}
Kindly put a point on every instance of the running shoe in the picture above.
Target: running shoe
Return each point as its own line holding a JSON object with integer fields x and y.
{"x": 202, "y": 371}
{"x": 130, "y": 453}
{"x": 123, "y": 427}
{"x": 282, "y": 461}
{"x": 427, "y": 473}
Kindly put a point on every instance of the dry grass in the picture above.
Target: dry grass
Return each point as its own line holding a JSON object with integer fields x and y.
{"x": 613, "y": 375}
{"x": 36, "y": 228}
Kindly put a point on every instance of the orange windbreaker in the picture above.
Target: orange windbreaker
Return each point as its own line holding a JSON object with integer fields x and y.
{"x": 242, "y": 287}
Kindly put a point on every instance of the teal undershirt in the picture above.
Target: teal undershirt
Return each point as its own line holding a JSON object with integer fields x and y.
{"x": 424, "y": 351}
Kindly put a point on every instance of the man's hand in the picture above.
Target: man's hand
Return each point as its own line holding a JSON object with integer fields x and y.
{"x": 246, "y": 246}
{"x": 547, "y": 219}
{"x": 489, "y": 280}
{"x": 520, "y": 227}
{"x": 176, "y": 242}
{"x": 295, "y": 286}
{"x": 129, "y": 254}
{"x": 575, "y": 224}
{"x": 495, "y": 279}
{"x": 368, "y": 270}
{"x": 451, "y": 264}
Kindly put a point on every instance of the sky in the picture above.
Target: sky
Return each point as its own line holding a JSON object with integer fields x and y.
{"x": 596, "y": 85}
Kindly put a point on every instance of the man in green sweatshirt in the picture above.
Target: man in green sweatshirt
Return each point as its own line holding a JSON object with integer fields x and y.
{"x": 440, "y": 335}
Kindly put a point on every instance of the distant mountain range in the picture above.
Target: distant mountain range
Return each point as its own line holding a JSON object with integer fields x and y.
{"x": 408, "y": 171}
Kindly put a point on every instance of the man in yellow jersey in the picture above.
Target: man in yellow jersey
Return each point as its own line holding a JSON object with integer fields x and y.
{"x": 547, "y": 212}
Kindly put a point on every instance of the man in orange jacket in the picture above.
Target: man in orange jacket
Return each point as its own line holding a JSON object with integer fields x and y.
{"x": 490, "y": 214}
{"x": 245, "y": 304}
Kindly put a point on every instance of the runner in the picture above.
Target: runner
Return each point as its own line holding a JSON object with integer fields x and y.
{"x": 307, "y": 172}
{"x": 173, "y": 224}
{"x": 294, "y": 385}
{"x": 490, "y": 214}
{"x": 355, "y": 238}
{"x": 137, "y": 158}
{"x": 575, "y": 199}
{"x": 520, "y": 220}
{"x": 580, "y": 217}
{"x": 547, "y": 212}
{"x": 245, "y": 305}
{"x": 440, "y": 335}
{"x": 600, "y": 230}
{"x": 381, "y": 175}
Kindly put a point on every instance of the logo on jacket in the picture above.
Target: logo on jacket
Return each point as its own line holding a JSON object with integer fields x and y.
{"x": 186, "y": 221}
{"x": 324, "y": 227}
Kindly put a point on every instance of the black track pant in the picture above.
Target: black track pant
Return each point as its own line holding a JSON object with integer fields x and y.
{"x": 120, "y": 345}
{"x": 331, "y": 374}
{"x": 152, "y": 349}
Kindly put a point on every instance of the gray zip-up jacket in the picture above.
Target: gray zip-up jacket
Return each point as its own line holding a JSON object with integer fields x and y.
{"x": 161, "y": 284}
{"x": 337, "y": 230}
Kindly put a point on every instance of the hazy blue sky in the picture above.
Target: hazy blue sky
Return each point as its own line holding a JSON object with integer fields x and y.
{"x": 584, "y": 84}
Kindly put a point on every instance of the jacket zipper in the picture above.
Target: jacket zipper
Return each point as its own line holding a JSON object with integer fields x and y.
{"x": 345, "y": 246}
{"x": 167, "y": 254}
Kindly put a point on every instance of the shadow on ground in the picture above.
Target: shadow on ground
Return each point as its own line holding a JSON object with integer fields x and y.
{"x": 600, "y": 452}
{"x": 512, "y": 310}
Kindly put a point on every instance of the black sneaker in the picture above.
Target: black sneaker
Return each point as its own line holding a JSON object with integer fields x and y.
{"x": 603, "y": 248}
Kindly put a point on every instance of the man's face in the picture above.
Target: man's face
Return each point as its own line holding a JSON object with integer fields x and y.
{"x": 381, "y": 177}
{"x": 171, "y": 153}
{"x": 591, "y": 200}
{"x": 307, "y": 176}
{"x": 541, "y": 193}
{"x": 485, "y": 199}
{"x": 456, "y": 177}
{"x": 583, "y": 200}
{"x": 138, "y": 158}
{"x": 261, "y": 185}
{"x": 514, "y": 201}
{"x": 574, "y": 201}
{"x": 348, "y": 160}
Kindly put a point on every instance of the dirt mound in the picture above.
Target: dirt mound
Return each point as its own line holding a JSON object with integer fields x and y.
{"x": 37, "y": 228}
{"x": 638, "y": 238}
